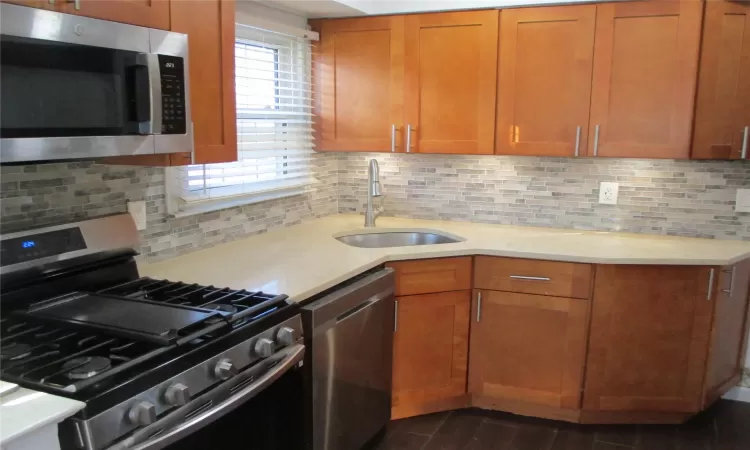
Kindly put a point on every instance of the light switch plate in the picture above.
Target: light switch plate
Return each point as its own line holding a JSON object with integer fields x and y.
{"x": 608, "y": 192}
{"x": 138, "y": 211}
{"x": 742, "y": 203}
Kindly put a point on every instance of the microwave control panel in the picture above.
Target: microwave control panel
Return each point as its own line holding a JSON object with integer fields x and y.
{"x": 172, "y": 95}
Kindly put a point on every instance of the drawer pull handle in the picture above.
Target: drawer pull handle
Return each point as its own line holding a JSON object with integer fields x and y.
{"x": 479, "y": 306}
{"x": 710, "y": 284}
{"x": 521, "y": 277}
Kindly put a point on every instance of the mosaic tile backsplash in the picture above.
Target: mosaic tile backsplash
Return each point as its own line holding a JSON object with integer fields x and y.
{"x": 685, "y": 198}
{"x": 46, "y": 194}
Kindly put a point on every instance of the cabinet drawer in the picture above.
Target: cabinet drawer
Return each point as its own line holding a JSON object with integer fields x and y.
{"x": 530, "y": 276}
{"x": 432, "y": 275}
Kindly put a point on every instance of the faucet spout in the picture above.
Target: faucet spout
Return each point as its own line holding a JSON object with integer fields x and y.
{"x": 374, "y": 189}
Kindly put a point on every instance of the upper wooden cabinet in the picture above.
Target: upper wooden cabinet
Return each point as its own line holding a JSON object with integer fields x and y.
{"x": 722, "y": 115}
{"x": 209, "y": 25}
{"x": 450, "y": 82}
{"x": 146, "y": 13}
{"x": 424, "y": 80}
{"x": 544, "y": 80}
{"x": 358, "y": 74}
{"x": 649, "y": 337}
{"x": 645, "y": 68}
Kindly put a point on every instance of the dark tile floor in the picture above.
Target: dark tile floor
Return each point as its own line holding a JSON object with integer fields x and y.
{"x": 725, "y": 426}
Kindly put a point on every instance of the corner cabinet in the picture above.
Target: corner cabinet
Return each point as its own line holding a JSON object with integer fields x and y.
{"x": 145, "y": 13}
{"x": 417, "y": 83}
{"x": 722, "y": 115}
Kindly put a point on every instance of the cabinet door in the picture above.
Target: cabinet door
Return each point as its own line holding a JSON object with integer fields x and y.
{"x": 146, "y": 13}
{"x": 544, "y": 80}
{"x": 512, "y": 363}
{"x": 430, "y": 353}
{"x": 723, "y": 103}
{"x": 358, "y": 74}
{"x": 209, "y": 25}
{"x": 728, "y": 332}
{"x": 54, "y": 5}
{"x": 645, "y": 68}
{"x": 451, "y": 82}
{"x": 650, "y": 329}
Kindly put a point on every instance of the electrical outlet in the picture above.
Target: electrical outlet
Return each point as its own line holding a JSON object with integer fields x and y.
{"x": 608, "y": 192}
{"x": 138, "y": 211}
{"x": 742, "y": 203}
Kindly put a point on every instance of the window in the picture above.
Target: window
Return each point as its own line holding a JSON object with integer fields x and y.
{"x": 274, "y": 130}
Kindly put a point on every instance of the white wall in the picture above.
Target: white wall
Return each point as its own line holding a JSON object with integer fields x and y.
{"x": 249, "y": 12}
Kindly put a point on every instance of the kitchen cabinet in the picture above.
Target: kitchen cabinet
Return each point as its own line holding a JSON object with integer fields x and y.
{"x": 649, "y": 338}
{"x": 729, "y": 332}
{"x": 722, "y": 114}
{"x": 358, "y": 74}
{"x": 430, "y": 353}
{"x": 146, "y": 13}
{"x": 450, "y": 78}
{"x": 432, "y": 275}
{"x": 209, "y": 25}
{"x": 431, "y": 340}
{"x": 644, "y": 78}
{"x": 560, "y": 279}
{"x": 527, "y": 348}
{"x": 544, "y": 80}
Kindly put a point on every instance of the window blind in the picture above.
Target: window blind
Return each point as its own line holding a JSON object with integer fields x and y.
{"x": 274, "y": 122}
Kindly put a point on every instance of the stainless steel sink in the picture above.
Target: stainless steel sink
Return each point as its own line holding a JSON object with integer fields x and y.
{"x": 397, "y": 239}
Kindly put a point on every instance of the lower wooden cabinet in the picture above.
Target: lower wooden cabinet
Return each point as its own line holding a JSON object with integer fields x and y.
{"x": 649, "y": 336}
{"x": 728, "y": 332}
{"x": 527, "y": 348}
{"x": 430, "y": 353}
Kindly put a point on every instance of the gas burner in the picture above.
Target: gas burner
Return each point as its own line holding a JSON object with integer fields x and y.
{"x": 86, "y": 367}
{"x": 14, "y": 352}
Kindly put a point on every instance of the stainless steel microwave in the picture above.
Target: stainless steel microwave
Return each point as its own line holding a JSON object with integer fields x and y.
{"x": 73, "y": 87}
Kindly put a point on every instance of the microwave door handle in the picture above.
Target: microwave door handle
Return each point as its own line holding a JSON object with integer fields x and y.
{"x": 288, "y": 359}
{"x": 148, "y": 93}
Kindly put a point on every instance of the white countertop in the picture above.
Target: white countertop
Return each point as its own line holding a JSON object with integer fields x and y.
{"x": 305, "y": 259}
{"x": 24, "y": 411}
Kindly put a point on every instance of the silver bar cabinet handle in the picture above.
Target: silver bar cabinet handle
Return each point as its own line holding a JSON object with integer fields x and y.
{"x": 393, "y": 138}
{"x": 710, "y": 284}
{"x": 731, "y": 282}
{"x": 745, "y": 137}
{"x": 479, "y": 306}
{"x": 596, "y": 140}
{"x": 51, "y": 2}
{"x": 76, "y": 2}
{"x": 395, "y": 316}
{"x": 408, "y": 139}
{"x": 521, "y": 277}
{"x": 578, "y": 139}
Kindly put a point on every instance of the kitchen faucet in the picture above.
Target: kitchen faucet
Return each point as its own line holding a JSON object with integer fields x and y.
{"x": 373, "y": 190}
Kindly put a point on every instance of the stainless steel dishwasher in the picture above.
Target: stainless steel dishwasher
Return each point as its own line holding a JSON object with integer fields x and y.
{"x": 350, "y": 334}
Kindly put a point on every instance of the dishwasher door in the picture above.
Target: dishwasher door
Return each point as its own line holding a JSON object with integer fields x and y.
{"x": 350, "y": 333}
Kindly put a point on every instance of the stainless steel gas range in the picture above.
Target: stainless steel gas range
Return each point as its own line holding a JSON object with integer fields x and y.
{"x": 159, "y": 364}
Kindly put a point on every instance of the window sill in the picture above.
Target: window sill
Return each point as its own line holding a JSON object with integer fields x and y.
{"x": 211, "y": 205}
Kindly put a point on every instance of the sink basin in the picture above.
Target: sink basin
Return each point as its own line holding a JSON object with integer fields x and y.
{"x": 397, "y": 239}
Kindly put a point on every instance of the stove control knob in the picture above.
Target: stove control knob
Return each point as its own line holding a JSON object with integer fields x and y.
{"x": 264, "y": 347}
{"x": 143, "y": 413}
{"x": 225, "y": 369}
{"x": 177, "y": 394}
{"x": 285, "y": 336}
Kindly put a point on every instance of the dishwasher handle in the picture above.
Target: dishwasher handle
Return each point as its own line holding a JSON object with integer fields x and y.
{"x": 364, "y": 305}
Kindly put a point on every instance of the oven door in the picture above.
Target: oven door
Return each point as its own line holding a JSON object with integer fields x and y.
{"x": 262, "y": 408}
{"x": 75, "y": 87}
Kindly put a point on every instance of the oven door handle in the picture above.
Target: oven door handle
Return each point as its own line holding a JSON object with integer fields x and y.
{"x": 294, "y": 356}
{"x": 151, "y": 89}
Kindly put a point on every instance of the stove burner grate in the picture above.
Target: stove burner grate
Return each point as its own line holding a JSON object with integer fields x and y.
{"x": 86, "y": 367}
